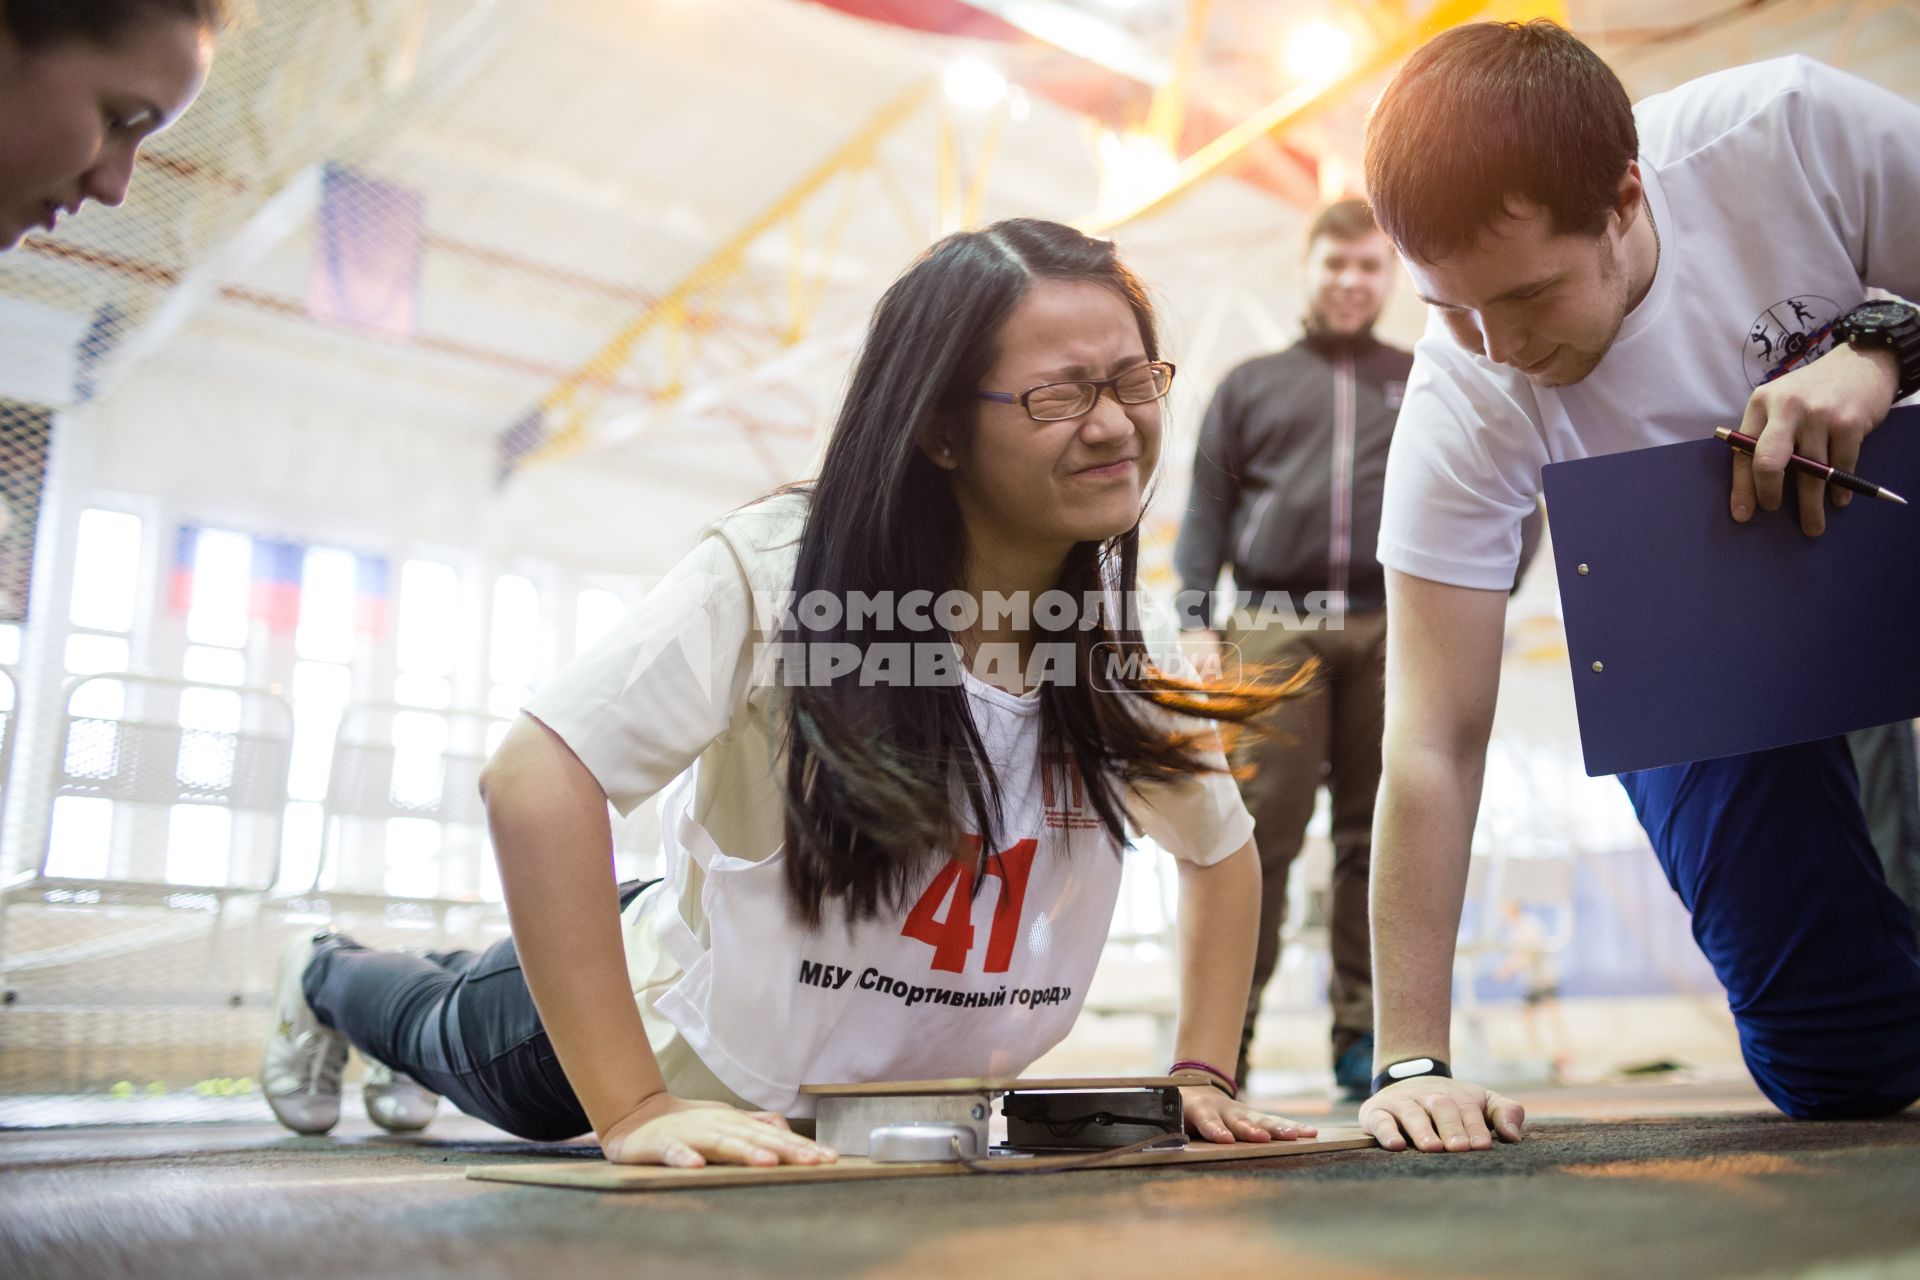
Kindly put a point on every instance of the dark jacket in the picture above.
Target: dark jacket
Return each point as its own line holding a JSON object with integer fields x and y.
{"x": 1288, "y": 473}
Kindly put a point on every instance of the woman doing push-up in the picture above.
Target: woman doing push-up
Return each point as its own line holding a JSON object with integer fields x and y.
{"x": 900, "y": 720}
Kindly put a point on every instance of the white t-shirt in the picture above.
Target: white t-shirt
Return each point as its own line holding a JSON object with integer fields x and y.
{"x": 1781, "y": 192}
{"x": 675, "y": 687}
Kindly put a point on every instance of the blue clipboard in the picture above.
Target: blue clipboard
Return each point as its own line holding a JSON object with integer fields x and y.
{"x": 1692, "y": 637}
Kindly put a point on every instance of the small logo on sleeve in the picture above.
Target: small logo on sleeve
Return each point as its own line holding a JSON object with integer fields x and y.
{"x": 1789, "y": 334}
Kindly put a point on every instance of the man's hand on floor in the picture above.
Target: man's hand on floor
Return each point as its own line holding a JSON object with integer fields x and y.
{"x": 1435, "y": 1113}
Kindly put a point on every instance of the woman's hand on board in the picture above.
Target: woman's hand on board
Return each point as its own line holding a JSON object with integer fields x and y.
{"x": 686, "y": 1134}
{"x": 1214, "y": 1117}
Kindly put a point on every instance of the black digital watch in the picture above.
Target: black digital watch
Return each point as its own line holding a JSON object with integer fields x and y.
{"x": 1888, "y": 325}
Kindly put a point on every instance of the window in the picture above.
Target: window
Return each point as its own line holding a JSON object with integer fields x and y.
{"x": 301, "y": 839}
{"x": 106, "y": 568}
{"x": 322, "y": 685}
{"x": 199, "y": 842}
{"x": 210, "y": 719}
{"x": 222, "y": 585}
{"x": 220, "y": 597}
{"x": 429, "y": 618}
{"x": 417, "y": 689}
{"x": 90, "y": 654}
{"x": 81, "y": 837}
{"x": 518, "y": 653}
{"x": 329, "y": 605}
{"x": 256, "y": 609}
{"x": 419, "y": 743}
{"x": 515, "y": 657}
{"x": 413, "y": 857}
{"x": 105, "y": 594}
{"x": 208, "y": 665}
{"x": 320, "y": 691}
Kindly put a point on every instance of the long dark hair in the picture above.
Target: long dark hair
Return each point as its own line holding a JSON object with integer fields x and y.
{"x": 40, "y": 24}
{"x": 873, "y": 769}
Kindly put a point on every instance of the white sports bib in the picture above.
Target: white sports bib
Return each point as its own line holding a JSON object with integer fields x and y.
{"x": 965, "y": 980}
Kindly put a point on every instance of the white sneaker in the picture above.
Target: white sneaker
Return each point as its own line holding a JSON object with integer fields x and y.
{"x": 301, "y": 1073}
{"x": 396, "y": 1101}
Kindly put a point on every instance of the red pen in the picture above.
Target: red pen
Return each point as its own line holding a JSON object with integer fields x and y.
{"x": 1808, "y": 467}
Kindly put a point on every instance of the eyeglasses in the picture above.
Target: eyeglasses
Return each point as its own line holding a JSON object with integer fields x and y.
{"x": 1058, "y": 401}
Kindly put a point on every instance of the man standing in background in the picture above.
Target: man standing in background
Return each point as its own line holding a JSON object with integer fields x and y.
{"x": 1286, "y": 488}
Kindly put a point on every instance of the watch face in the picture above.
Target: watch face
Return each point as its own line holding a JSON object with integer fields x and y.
{"x": 1878, "y": 315}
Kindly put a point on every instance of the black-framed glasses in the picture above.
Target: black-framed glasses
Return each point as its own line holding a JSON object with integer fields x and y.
{"x": 1058, "y": 401}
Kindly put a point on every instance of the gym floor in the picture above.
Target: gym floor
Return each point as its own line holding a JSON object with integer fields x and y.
{"x": 1628, "y": 1180}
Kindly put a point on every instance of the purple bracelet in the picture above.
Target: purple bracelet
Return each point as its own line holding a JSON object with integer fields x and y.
{"x": 1221, "y": 1080}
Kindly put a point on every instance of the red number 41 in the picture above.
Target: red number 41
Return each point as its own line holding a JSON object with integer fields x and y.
{"x": 951, "y": 934}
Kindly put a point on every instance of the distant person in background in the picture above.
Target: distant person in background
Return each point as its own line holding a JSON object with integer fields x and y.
{"x": 1530, "y": 954}
{"x": 1286, "y": 489}
{"x": 83, "y": 83}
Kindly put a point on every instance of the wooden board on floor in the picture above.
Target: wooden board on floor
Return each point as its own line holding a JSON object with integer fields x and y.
{"x": 600, "y": 1176}
{"x": 997, "y": 1084}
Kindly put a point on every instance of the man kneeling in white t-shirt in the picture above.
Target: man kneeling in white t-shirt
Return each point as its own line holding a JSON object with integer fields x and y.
{"x": 1604, "y": 278}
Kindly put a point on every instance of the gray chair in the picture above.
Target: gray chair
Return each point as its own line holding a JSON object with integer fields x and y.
{"x": 120, "y": 941}
{"x": 403, "y": 820}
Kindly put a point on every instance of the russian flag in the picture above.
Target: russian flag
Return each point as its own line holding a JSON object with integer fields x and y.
{"x": 275, "y": 599}
{"x": 180, "y": 584}
{"x": 274, "y": 595}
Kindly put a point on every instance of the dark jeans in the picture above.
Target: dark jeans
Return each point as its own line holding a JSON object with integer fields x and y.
{"x": 462, "y": 1023}
{"x": 1770, "y": 853}
{"x": 1328, "y": 736}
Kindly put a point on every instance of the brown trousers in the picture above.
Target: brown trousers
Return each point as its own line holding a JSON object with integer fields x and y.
{"x": 1330, "y": 736}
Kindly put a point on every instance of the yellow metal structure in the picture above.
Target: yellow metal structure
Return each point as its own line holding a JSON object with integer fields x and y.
{"x": 680, "y": 316}
{"x": 567, "y": 409}
{"x": 1291, "y": 108}
{"x": 1169, "y": 110}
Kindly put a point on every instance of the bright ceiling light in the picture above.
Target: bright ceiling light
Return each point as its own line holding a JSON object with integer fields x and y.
{"x": 1318, "y": 51}
{"x": 974, "y": 84}
{"x": 1134, "y": 168}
